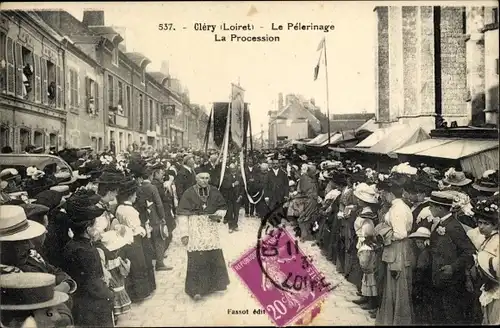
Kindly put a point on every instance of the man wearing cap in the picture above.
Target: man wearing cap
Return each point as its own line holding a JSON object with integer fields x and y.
{"x": 214, "y": 169}
{"x": 452, "y": 253}
{"x": 186, "y": 176}
{"x": 200, "y": 211}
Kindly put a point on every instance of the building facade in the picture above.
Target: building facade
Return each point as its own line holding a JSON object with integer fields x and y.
{"x": 432, "y": 63}
{"x": 71, "y": 83}
{"x": 32, "y": 103}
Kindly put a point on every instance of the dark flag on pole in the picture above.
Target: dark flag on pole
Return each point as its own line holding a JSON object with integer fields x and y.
{"x": 321, "y": 46}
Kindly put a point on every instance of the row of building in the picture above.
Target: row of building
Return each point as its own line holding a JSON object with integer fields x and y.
{"x": 70, "y": 83}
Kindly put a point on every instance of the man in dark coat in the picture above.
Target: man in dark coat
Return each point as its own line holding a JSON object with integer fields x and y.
{"x": 451, "y": 252}
{"x": 232, "y": 189}
{"x": 150, "y": 207}
{"x": 277, "y": 187}
{"x": 252, "y": 186}
{"x": 186, "y": 177}
{"x": 214, "y": 169}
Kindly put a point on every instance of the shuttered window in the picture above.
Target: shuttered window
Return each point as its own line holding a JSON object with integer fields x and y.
{"x": 110, "y": 91}
{"x": 73, "y": 86}
{"x": 11, "y": 71}
{"x": 38, "y": 81}
{"x": 59, "y": 91}
{"x": 3, "y": 71}
{"x": 20, "y": 90}
{"x": 96, "y": 96}
{"x": 43, "y": 74}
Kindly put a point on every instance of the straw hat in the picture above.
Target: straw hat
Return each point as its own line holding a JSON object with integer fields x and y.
{"x": 489, "y": 265}
{"x": 421, "y": 232}
{"x": 63, "y": 189}
{"x": 14, "y": 225}
{"x": 456, "y": 178}
{"x": 366, "y": 193}
{"x": 488, "y": 182}
{"x": 443, "y": 198}
{"x": 29, "y": 291}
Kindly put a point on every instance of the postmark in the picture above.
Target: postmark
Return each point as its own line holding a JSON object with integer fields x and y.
{"x": 281, "y": 276}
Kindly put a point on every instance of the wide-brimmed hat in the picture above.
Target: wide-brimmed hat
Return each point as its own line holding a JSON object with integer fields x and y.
{"x": 111, "y": 176}
{"x": 26, "y": 291}
{"x": 15, "y": 226}
{"x": 49, "y": 198}
{"x": 33, "y": 210}
{"x": 423, "y": 182}
{"x": 456, "y": 178}
{"x": 489, "y": 265}
{"x": 8, "y": 174}
{"x": 421, "y": 232}
{"x": 129, "y": 186}
{"x": 487, "y": 209}
{"x": 82, "y": 207}
{"x": 366, "y": 193}
{"x": 443, "y": 198}
{"x": 112, "y": 240}
{"x": 488, "y": 182}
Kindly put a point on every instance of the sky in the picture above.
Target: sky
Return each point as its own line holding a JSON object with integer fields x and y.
{"x": 207, "y": 68}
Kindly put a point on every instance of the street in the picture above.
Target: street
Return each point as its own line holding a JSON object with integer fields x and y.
{"x": 170, "y": 306}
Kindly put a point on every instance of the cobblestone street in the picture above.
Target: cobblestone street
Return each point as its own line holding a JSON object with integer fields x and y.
{"x": 170, "y": 306}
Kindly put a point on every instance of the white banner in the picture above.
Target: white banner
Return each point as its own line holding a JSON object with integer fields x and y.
{"x": 237, "y": 114}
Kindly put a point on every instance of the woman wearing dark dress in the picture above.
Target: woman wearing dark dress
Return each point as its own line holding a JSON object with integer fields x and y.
{"x": 93, "y": 300}
{"x": 139, "y": 284}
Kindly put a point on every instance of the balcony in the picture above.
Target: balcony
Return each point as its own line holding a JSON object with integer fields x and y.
{"x": 121, "y": 121}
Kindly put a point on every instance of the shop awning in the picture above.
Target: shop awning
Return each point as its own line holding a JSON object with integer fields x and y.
{"x": 339, "y": 138}
{"x": 322, "y": 138}
{"x": 387, "y": 140}
{"x": 449, "y": 148}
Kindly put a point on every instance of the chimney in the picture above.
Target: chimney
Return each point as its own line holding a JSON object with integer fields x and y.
{"x": 164, "y": 68}
{"x": 93, "y": 17}
{"x": 280, "y": 101}
{"x": 289, "y": 99}
{"x": 313, "y": 102}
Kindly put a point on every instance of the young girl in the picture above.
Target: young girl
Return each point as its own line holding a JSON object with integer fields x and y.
{"x": 117, "y": 269}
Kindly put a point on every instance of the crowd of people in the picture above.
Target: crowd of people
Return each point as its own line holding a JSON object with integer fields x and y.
{"x": 421, "y": 246}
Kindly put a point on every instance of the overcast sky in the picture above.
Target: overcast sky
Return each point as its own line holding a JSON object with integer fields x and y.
{"x": 264, "y": 69}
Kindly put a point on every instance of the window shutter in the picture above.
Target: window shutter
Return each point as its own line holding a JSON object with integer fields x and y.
{"x": 3, "y": 51}
{"x": 19, "y": 66}
{"x": 43, "y": 64}
{"x": 59, "y": 94}
{"x": 96, "y": 96}
{"x": 77, "y": 91}
{"x": 146, "y": 112}
{"x": 11, "y": 71}
{"x": 38, "y": 83}
{"x": 115, "y": 92}
{"x": 68, "y": 88}
{"x": 87, "y": 92}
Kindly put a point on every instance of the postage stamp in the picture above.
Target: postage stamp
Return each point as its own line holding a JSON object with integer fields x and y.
{"x": 282, "y": 278}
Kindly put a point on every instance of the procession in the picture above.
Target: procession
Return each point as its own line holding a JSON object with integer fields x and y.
{"x": 128, "y": 204}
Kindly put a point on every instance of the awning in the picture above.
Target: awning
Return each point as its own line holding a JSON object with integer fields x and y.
{"x": 369, "y": 126}
{"x": 322, "y": 138}
{"x": 339, "y": 138}
{"x": 387, "y": 140}
{"x": 449, "y": 148}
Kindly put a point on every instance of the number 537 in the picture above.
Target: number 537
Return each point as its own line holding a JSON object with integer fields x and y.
{"x": 166, "y": 27}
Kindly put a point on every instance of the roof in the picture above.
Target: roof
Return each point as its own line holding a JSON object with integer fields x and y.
{"x": 353, "y": 116}
{"x": 369, "y": 126}
{"x": 108, "y": 32}
{"x": 449, "y": 148}
{"x": 295, "y": 111}
{"x": 387, "y": 140}
{"x": 138, "y": 59}
{"x": 158, "y": 76}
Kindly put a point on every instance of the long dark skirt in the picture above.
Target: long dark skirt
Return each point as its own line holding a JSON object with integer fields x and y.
{"x": 149, "y": 256}
{"x": 340, "y": 246}
{"x": 137, "y": 284}
{"x": 91, "y": 312}
{"x": 206, "y": 272}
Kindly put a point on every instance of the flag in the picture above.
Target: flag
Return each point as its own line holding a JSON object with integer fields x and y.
{"x": 237, "y": 115}
{"x": 321, "y": 46}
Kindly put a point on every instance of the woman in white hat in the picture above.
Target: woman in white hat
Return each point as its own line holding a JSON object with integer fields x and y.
{"x": 366, "y": 198}
{"x": 487, "y": 259}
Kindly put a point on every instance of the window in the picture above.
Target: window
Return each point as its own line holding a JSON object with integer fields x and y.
{"x": 99, "y": 144}
{"x": 53, "y": 140}
{"x": 495, "y": 15}
{"x": 73, "y": 88}
{"x": 496, "y": 64}
{"x": 110, "y": 91}
{"x": 11, "y": 72}
{"x": 4, "y": 136}
{"x": 141, "y": 113}
{"x": 24, "y": 138}
{"x": 464, "y": 21}
{"x": 90, "y": 92}
{"x": 143, "y": 77}
{"x": 129, "y": 101}
{"x": 116, "y": 55}
{"x": 3, "y": 51}
{"x": 151, "y": 116}
{"x": 52, "y": 86}
{"x": 120, "y": 141}
{"x": 94, "y": 143}
{"x": 120, "y": 98}
{"x": 158, "y": 118}
{"x": 38, "y": 139}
